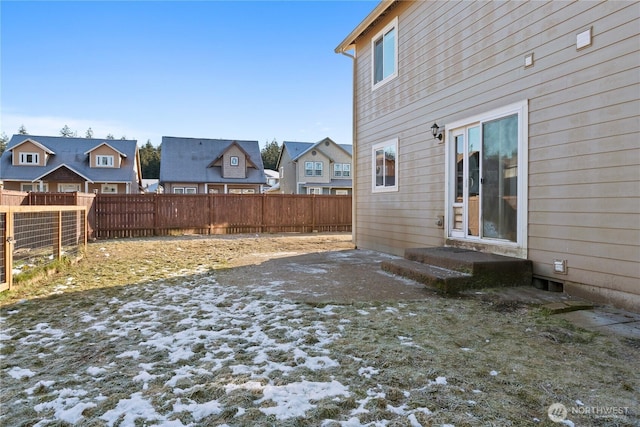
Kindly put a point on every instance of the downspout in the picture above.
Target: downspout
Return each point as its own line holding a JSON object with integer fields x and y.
{"x": 354, "y": 139}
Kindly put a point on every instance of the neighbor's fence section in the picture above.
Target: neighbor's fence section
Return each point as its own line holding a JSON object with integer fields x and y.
{"x": 141, "y": 215}
{"x": 34, "y": 236}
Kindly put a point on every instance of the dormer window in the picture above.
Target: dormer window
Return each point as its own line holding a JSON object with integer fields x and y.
{"x": 235, "y": 160}
{"x": 29, "y": 158}
{"x": 103, "y": 161}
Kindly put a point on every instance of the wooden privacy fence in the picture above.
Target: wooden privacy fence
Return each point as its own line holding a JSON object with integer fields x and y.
{"x": 34, "y": 236}
{"x": 139, "y": 215}
{"x": 142, "y": 215}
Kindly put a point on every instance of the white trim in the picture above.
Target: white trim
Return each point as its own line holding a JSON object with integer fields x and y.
{"x": 64, "y": 187}
{"x": 110, "y": 159}
{"x": 384, "y": 189}
{"x": 107, "y": 188}
{"x": 392, "y": 25}
{"x": 37, "y": 186}
{"x": 522, "y": 109}
{"x": 23, "y": 158}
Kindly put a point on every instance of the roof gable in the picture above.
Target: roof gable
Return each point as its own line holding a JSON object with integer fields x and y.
{"x": 233, "y": 144}
{"x": 193, "y": 160}
{"x": 34, "y": 142}
{"x": 107, "y": 145}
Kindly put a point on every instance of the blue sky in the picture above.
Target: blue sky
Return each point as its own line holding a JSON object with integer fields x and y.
{"x": 252, "y": 70}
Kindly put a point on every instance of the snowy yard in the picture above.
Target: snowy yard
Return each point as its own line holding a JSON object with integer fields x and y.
{"x": 191, "y": 350}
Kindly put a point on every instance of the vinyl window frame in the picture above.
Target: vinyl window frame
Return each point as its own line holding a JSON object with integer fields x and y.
{"x": 375, "y": 59}
{"x": 29, "y": 158}
{"x": 108, "y": 160}
{"x": 384, "y": 146}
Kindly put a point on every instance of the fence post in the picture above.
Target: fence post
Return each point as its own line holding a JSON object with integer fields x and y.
{"x": 313, "y": 213}
{"x": 262, "y": 200}
{"x": 155, "y": 215}
{"x": 210, "y": 212}
{"x": 57, "y": 243}
{"x": 8, "y": 248}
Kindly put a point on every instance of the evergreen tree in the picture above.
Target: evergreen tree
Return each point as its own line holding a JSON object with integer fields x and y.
{"x": 89, "y": 133}
{"x": 270, "y": 154}
{"x": 3, "y": 142}
{"x": 23, "y": 130}
{"x": 66, "y": 132}
{"x": 110, "y": 136}
{"x": 150, "y": 161}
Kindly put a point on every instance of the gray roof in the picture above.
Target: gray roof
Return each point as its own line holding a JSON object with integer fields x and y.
{"x": 72, "y": 153}
{"x": 189, "y": 160}
{"x": 297, "y": 149}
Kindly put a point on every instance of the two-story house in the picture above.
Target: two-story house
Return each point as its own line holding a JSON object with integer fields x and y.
{"x": 198, "y": 165}
{"x": 503, "y": 127}
{"x": 61, "y": 164}
{"x": 323, "y": 167}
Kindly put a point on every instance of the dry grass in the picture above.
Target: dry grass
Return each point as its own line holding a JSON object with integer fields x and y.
{"x": 436, "y": 361}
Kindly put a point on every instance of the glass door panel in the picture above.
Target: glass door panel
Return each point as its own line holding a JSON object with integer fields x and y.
{"x": 473, "y": 181}
{"x": 500, "y": 178}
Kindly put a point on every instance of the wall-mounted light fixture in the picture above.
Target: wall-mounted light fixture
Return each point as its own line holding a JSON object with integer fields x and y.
{"x": 435, "y": 130}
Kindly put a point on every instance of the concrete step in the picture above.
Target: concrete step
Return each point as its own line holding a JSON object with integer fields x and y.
{"x": 441, "y": 279}
{"x": 452, "y": 270}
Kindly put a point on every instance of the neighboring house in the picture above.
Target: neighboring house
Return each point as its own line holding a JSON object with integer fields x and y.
{"x": 536, "y": 153}
{"x": 61, "y": 164}
{"x": 323, "y": 167}
{"x": 197, "y": 165}
{"x": 273, "y": 181}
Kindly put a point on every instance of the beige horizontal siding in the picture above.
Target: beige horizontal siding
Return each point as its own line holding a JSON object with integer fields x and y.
{"x": 459, "y": 59}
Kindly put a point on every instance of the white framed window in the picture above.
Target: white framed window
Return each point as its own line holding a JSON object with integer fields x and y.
{"x": 342, "y": 192}
{"x": 385, "y": 166}
{"x": 29, "y": 158}
{"x": 109, "y": 188}
{"x": 185, "y": 190}
{"x": 33, "y": 186}
{"x": 342, "y": 170}
{"x": 104, "y": 161}
{"x": 314, "y": 190}
{"x": 68, "y": 188}
{"x": 313, "y": 168}
{"x": 384, "y": 48}
{"x": 235, "y": 161}
{"x": 242, "y": 191}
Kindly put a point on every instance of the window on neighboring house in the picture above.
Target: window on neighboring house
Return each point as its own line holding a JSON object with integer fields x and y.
{"x": 68, "y": 188}
{"x": 341, "y": 170}
{"x": 314, "y": 190}
{"x": 185, "y": 190}
{"x": 235, "y": 161}
{"x": 103, "y": 161}
{"x": 242, "y": 191}
{"x": 385, "y": 166}
{"x": 385, "y": 54}
{"x": 29, "y": 158}
{"x": 342, "y": 192}
{"x": 33, "y": 186}
{"x": 313, "y": 168}
{"x": 109, "y": 188}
